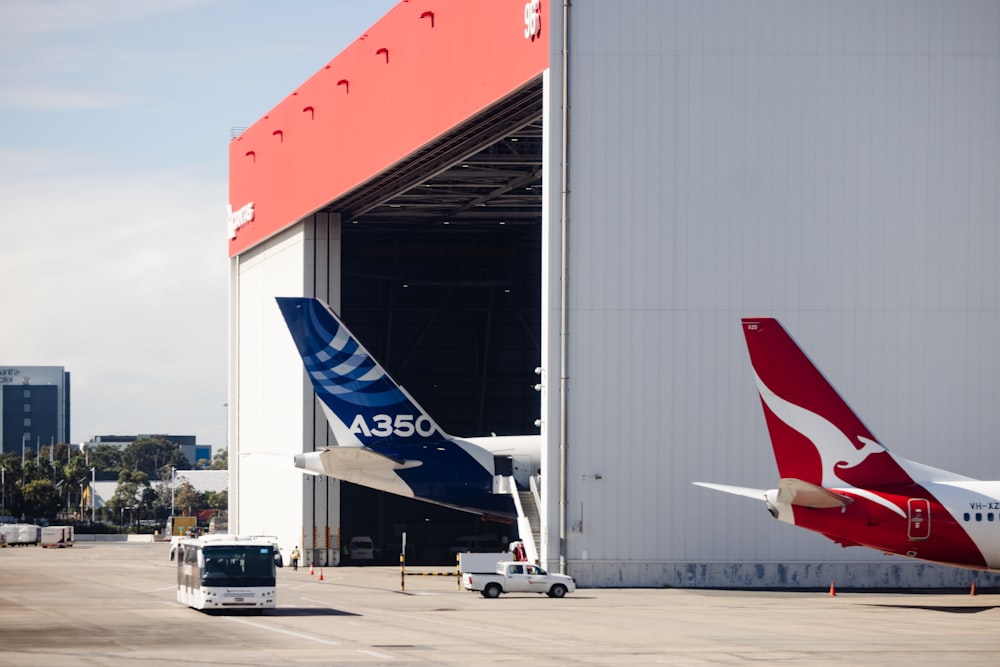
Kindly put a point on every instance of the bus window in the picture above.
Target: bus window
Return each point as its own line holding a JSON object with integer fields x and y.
{"x": 239, "y": 566}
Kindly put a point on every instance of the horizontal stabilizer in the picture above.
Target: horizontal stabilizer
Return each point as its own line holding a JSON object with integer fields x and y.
{"x": 756, "y": 494}
{"x": 361, "y": 458}
{"x": 796, "y": 492}
{"x": 359, "y": 465}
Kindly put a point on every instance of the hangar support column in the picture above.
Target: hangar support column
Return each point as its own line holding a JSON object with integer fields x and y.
{"x": 563, "y": 283}
{"x": 321, "y": 494}
{"x": 555, "y": 295}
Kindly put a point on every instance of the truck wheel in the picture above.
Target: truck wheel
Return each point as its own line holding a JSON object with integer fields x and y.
{"x": 491, "y": 591}
{"x": 557, "y": 591}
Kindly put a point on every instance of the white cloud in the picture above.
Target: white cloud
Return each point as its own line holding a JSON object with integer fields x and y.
{"x": 63, "y": 55}
{"x": 55, "y": 99}
{"x": 22, "y": 18}
{"x": 118, "y": 277}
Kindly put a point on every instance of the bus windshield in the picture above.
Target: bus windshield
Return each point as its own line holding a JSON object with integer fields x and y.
{"x": 240, "y": 565}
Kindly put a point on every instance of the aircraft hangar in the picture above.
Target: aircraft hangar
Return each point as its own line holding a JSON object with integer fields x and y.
{"x": 602, "y": 191}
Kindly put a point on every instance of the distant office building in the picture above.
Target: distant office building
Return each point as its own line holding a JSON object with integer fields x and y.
{"x": 192, "y": 451}
{"x": 34, "y": 410}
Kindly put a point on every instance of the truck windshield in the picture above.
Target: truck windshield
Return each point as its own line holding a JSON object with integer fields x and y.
{"x": 244, "y": 565}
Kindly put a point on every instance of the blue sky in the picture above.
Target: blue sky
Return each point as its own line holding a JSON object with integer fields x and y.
{"x": 115, "y": 117}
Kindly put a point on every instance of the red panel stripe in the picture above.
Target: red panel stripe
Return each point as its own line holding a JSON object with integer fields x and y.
{"x": 407, "y": 80}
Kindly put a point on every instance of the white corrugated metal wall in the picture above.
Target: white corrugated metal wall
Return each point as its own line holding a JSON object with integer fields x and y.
{"x": 832, "y": 164}
{"x": 273, "y": 413}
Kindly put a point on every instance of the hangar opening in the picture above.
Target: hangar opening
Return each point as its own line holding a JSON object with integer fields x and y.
{"x": 441, "y": 280}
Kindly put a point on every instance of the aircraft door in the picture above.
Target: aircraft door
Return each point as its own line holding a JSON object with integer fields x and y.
{"x": 918, "y": 524}
{"x": 521, "y": 470}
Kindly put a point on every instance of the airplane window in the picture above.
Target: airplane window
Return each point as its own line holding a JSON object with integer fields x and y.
{"x": 979, "y": 516}
{"x": 989, "y": 516}
{"x": 965, "y": 517}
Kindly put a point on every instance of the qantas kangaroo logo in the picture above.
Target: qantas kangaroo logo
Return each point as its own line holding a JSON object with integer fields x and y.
{"x": 835, "y": 449}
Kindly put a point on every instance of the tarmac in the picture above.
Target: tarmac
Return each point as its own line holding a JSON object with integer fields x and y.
{"x": 114, "y": 604}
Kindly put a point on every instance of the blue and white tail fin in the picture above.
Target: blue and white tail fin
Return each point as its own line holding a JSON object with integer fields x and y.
{"x": 363, "y": 404}
{"x": 387, "y": 441}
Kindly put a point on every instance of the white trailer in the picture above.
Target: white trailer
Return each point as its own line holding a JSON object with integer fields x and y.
{"x": 21, "y": 534}
{"x": 57, "y": 537}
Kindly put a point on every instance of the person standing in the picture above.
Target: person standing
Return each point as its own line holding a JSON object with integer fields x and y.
{"x": 295, "y": 559}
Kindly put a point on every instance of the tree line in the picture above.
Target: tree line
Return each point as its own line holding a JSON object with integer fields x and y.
{"x": 52, "y": 483}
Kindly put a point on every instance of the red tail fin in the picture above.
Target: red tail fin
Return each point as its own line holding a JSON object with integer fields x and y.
{"x": 815, "y": 435}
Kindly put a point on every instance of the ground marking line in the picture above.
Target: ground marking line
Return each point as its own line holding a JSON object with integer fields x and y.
{"x": 376, "y": 654}
{"x": 300, "y": 635}
{"x": 475, "y": 628}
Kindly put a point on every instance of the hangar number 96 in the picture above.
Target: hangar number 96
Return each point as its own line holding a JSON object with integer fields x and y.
{"x": 532, "y": 19}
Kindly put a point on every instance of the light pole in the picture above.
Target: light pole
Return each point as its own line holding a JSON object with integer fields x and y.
{"x": 80, "y": 483}
{"x": 24, "y": 446}
{"x": 173, "y": 476}
{"x": 93, "y": 490}
{"x": 64, "y": 491}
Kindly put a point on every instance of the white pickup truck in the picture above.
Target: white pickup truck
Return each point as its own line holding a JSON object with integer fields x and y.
{"x": 518, "y": 577}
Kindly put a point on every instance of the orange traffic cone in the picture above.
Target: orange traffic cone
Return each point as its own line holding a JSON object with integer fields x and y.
{"x": 972, "y": 591}
{"x": 833, "y": 590}
{"x": 321, "y": 574}
{"x": 310, "y": 569}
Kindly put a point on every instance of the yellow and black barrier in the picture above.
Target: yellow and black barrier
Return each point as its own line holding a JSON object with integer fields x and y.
{"x": 403, "y": 573}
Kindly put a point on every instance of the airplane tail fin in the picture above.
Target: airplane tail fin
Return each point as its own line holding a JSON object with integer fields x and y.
{"x": 363, "y": 404}
{"x": 815, "y": 435}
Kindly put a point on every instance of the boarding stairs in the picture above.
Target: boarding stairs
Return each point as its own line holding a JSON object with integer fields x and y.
{"x": 529, "y": 525}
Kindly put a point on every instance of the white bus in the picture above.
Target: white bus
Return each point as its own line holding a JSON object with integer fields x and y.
{"x": 227, "y": 572}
